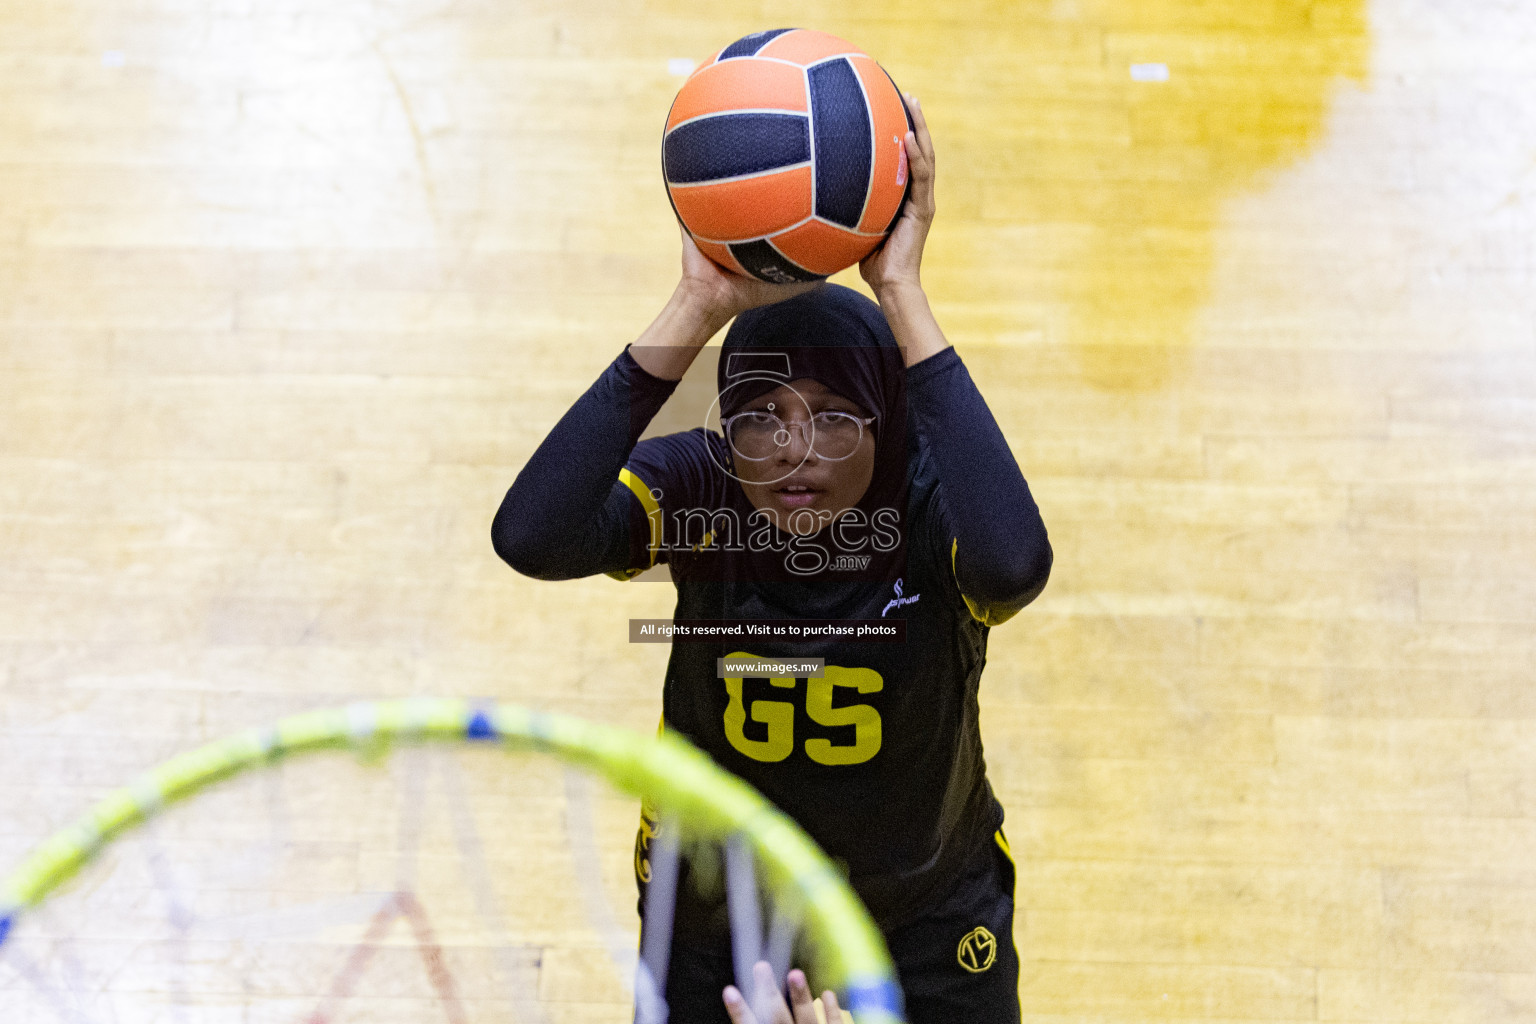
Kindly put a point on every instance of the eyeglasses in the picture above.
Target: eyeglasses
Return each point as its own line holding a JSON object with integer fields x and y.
{"x": 756, "y": 435}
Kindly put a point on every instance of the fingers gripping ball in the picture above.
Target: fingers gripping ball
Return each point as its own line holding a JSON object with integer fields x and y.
{"x": 783, "y": 155}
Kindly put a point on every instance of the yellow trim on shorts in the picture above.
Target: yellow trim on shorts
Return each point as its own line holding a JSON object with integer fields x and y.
{"x": 1002, "y": 842}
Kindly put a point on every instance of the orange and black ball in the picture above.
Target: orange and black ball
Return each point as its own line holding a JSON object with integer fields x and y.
{"x": 783, "y": 155}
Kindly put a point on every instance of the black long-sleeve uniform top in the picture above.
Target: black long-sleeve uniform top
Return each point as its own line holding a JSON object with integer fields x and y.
{"x": 880, "y": 760}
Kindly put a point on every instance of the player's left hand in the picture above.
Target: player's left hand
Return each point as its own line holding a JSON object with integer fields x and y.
{"x": 801, "y": 1008}
{"x": 897, "y": 261}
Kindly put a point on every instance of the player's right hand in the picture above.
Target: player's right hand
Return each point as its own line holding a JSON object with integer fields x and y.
{"x": 725, "y": 294}
{"x": 801, "y": 1008}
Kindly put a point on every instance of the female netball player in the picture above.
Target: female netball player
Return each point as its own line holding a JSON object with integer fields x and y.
{"x": 858, "y": 475}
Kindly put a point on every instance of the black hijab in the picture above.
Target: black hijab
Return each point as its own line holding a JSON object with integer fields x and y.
{"x": 840, "y": 338}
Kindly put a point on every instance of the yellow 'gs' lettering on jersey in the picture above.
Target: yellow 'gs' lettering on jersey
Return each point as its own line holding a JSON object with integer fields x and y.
{"x": 864, "y": 719}
{"x": 779, "y": 717}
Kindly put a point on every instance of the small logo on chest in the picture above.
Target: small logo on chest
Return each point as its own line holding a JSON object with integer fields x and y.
{"x": 898, "y": 600}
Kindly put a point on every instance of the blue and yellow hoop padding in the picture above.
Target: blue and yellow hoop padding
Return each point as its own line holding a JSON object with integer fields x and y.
{"x": 708, "y": 802}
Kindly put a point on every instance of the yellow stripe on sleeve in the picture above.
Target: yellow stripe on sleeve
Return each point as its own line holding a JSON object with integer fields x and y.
{"x": 986, "y": 615}
{"x": 640, "y": 490}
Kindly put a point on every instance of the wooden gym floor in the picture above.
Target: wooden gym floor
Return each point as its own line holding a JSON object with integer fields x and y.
{"x": 290, "y": 290}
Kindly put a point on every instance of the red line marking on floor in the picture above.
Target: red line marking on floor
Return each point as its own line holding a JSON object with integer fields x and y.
{"x": 406, "y": 905}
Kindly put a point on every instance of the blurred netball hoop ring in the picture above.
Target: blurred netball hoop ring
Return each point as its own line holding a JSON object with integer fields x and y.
{"x": 156, "y": 906}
